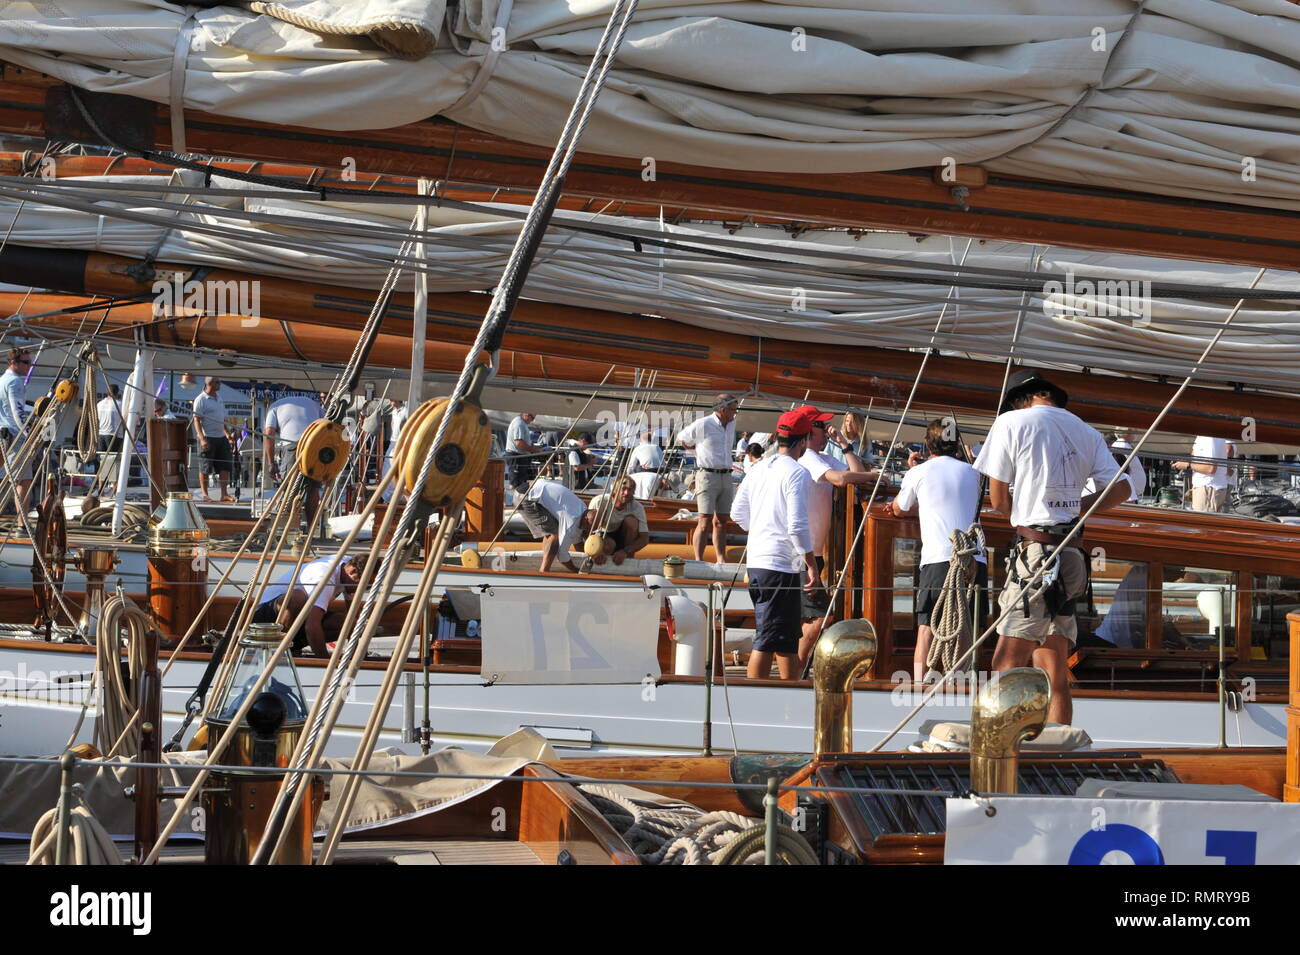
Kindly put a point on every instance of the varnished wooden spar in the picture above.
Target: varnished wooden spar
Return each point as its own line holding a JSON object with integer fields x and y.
{"x": 856, "y": 372}
{"x": 1006, "y": 207}
{"x": 326, "y": 345}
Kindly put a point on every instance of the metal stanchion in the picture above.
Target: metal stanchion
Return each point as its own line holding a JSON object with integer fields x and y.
{"x": 769, "y": 819}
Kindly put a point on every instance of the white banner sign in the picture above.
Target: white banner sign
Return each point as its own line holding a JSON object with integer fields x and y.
{"x": 1034, "y": 830}
{"x": 549, "y": 635}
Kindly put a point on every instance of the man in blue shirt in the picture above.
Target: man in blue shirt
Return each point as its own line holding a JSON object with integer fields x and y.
{"x": 13, "y": 412}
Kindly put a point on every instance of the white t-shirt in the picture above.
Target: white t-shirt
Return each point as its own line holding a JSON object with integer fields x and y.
{"x": 1207, "y": 447}
{"x": 308, "y": 577}
{"x": 712, "y": 440}
{"x": 564, "y": 504}
{"x": 13, "y": 401}
{"x": 211, "y": 412}
{"x": 616, "y": 516}
{"x": 646, "y": 456}
{"x": 647, "y": 483}
{"x": 290, "y": 417}
{"x": 944, "y": 490}
{"x": 518, "y": 431}
{"x": 821, "y": 496}
{"x": 772, "y": 505}
{"x": 109, "y": 412}
{"x": 1047, "y": 454}
{"x": 1136, "y": 474}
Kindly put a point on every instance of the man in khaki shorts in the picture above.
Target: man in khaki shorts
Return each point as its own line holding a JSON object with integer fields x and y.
{"x": 1048, "y": 454}
{"x": 713, "y": 437}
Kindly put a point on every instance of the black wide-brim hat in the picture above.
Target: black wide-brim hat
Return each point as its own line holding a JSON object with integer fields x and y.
{"x": 1031, "y": 380}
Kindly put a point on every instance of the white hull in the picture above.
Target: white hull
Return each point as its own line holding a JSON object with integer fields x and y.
{"x": 40, "y": 703}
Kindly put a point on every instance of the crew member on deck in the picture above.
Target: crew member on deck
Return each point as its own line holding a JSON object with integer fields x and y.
{"x": 712, "y": 437}
{"x": 1209, "y": 481}
{"x": 286, "y": 420}
{"x": 772, "y": 505}
{"x": 554, "y": 515}
{"x": 1048, "y": 454}
{"x": 827, "y": 474}
{"x": 520, "y": 469}
{"x": 215, "y": 439}
{"x": 13, "y": 412}
{"x": 644, "y": 464}
{"x": 622, "y": 519}
{"x": 321, "y": 625}
{"x": 109, "y": 411}
{"x": 946, "y": 490}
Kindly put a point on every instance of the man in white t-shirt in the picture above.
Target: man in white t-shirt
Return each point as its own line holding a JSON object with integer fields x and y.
{"x": 946, "y": 492}
{"x": 1048, "y": 454}
{"x": 554, "y": 516}
{"x": 1209, "y": 481}
{"x": 321, "y": 626}
{"x": 644, "y": 465}
{"x": 712, "y": 437}
{"x": 772, "y": 505}
{"x": 520, "y": 467}
{"x": 109, "y": 411}
{"x": 215, "y": 440}
{"x": 286, "y": 420}
{"x": 620, "y": 519}
{"x": 827, "y": 474}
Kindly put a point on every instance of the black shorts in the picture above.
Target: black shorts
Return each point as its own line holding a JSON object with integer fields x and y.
{"x": 217, "y": 459}
{"x": 777, "y": 597}
{"x": 814, "y": 607}
{"x": 932, "y": 579}
{"x": 109, "y": 442}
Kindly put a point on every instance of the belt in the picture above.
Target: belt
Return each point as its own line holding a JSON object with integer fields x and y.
{"x": 715, "y": 470}
{"x": 1042, "y": 537}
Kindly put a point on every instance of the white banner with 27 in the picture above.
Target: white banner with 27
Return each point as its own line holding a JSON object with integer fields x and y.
{"x": 547, "y": 635}
{"x": 1033, "y": 830}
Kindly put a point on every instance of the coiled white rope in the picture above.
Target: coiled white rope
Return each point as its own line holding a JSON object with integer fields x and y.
{"x": 669, "y": 835}
{"x": 951, "y": 618}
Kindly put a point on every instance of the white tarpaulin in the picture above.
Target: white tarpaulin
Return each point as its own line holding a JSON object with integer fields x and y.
{"x": 547, "y": 635}
{"x": 1077, "y": 831}
{"x": 1192, "y": 98}
{"x": 822, "y": 286}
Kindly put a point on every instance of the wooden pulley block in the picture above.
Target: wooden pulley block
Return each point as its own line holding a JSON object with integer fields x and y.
{"x": 459, "y": 462}
{"x": 594, "y": 545}
{"x": 322, "y": 451}
{"x": 471, "y": 559}
{"x": 66, "y": 391}
{"x": 39, "y": 405}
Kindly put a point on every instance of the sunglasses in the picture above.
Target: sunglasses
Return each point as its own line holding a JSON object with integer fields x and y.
{"x": 819, "y": 425}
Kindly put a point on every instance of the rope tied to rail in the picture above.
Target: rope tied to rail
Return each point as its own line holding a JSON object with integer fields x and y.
{"x": 952, "y": 620}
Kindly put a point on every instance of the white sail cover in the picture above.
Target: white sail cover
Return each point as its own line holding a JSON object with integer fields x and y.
{"x": 1194, "y": 98}
{"x": 823, "y": 286}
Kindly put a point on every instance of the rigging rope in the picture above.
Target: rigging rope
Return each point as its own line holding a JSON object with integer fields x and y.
{"x": 951, "y": 619}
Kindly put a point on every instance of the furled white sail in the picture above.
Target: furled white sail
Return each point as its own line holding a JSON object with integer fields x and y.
{"x": 1181, "y": 97}
{"x": 822, "y": 286}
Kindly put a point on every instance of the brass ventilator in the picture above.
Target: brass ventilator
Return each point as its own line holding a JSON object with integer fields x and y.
{"x": 1007, "y": 711}
{"x": 844, "y": 652}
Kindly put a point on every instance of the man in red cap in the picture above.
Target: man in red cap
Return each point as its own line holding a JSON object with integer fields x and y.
{"x": 827, "y": 474}
{"x": 772, "y": 505}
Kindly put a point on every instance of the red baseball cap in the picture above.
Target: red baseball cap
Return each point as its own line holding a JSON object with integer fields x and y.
{"x": 814, "y": 414}
{"x": 794, "y": 424}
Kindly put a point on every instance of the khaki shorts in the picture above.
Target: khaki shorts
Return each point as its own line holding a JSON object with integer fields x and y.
{"x": 1209, "y": 498}
{"x": 714, "y": 492}
{"x": 1037, "y": 624}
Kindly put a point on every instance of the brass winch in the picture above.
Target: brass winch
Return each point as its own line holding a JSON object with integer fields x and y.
{"x": 238, "y": 804}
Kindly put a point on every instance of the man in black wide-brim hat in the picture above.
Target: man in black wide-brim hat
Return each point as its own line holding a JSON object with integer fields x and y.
{"x": 1048, "y": 454}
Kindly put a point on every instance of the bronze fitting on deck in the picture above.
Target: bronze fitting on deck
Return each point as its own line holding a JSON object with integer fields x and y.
{"x": 843, "y": 653}
{"x": 1008, "y": 710}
